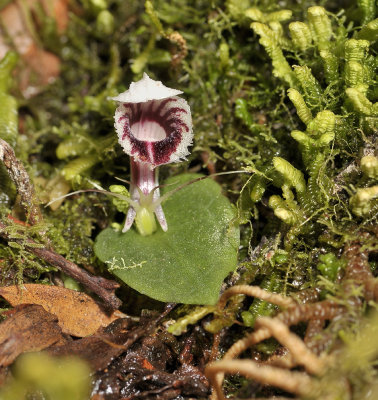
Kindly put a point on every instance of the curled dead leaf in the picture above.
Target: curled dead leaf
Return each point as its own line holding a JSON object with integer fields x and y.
{"x": 78, "y": 314}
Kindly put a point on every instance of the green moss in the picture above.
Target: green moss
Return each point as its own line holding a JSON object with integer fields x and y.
{"x": 288, "y": 92}
{"x": 330, "y": 265}
{"x": 260, "y": 308}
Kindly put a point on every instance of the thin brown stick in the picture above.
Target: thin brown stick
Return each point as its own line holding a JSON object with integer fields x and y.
{"x": 236, "y": 349}
{"x": 104, "y": 288}
{"x": 313, "y": 331}
{"x": 357, "y": 271}
{"x": 324, "y": 310}
{"x": 243, "y": 344}
{"x": 215, "y": 347}
{"x": 307, "y": 295}
{"x": 20, "y": 177}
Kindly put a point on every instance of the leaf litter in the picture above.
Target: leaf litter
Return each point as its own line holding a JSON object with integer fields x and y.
{"x": 78, "y": 314}
{"x": 134, "y": 357}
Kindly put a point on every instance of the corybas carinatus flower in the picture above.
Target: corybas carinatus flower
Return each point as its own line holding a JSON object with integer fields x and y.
{"x": 154, "y": 127}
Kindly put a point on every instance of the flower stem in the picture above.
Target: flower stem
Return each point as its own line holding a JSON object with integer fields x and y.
{"x": 143, "y": 189}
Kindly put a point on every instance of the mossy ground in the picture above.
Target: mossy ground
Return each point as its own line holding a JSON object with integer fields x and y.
{"x": 297, "y": 111}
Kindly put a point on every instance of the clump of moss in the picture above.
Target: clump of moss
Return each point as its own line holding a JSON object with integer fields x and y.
{"x": 303, "y": 133}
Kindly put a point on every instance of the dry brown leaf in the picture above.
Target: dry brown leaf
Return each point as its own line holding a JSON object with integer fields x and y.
{"x": 78, "y": 314}
{"x": 28, "y": 328}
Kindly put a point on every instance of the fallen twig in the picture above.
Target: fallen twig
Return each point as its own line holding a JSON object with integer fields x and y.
{"x": 104, "y": 288}
{"x": 357, "y": 271}
{"x": 266, "y": 328}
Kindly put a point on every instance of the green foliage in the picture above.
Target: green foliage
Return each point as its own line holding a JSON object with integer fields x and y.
{"x": 38, "y": 375}
{"x": 72, "y": 224}
{"x": 180, "y": 326}
{"x": 369, "y": 31}
{"x": 86, "y": 150}
{"x": 330, "y": 97}
{"x": 367, "y": 10}
{"x": 320, "y": 26}
{"x": 259, "y": 307}
{"x": 272, "y": 43}
{"x": 300, "y": 35}
{"x": 8, "y": 114}
{"x": 303, "y": 111}
{"x": 17, "y": 263}
{"x": 121, "y": 206}
{"x": 105, "y": 22}
{"x": 369, "y": 166}
{"x": 356, "y": 362}
{"x": 278, "y": 16}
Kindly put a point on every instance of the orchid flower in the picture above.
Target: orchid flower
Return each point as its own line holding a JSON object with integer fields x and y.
{"x": 154, "y": 127}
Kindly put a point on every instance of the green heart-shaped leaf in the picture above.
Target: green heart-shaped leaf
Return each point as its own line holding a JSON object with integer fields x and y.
{"x": 186, "y": 264}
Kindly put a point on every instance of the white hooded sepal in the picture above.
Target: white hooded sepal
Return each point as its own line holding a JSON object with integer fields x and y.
{"x": 145, "y": 90}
